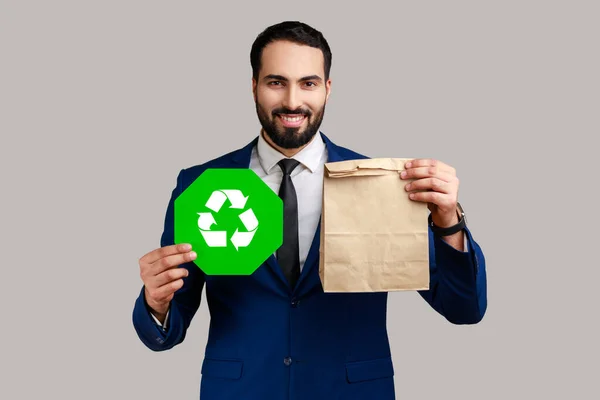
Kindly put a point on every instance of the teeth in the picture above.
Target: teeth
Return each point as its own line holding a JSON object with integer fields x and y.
{"x": 292, "y": 119}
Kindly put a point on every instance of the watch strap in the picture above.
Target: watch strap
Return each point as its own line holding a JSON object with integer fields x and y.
{"x": 451, "y": 230}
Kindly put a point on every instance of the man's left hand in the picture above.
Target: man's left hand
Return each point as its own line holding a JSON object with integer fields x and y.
{"x": 436, "y": 184}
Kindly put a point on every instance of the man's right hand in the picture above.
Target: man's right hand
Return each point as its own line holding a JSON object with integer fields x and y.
{"x": 162, "y": 277}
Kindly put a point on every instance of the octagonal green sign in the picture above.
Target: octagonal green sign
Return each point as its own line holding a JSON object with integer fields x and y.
{"x": 232, "y": 219}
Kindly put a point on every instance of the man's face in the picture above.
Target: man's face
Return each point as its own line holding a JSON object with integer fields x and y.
{"x": 291, "y": 93}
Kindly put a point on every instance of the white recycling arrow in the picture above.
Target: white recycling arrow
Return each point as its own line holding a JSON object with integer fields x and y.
{"x": 236, "y": 198}
{"x": 215, "y": 238}
{"x": 218, "y": 197}
{"x": 249, "y": 219}
{"x": 216, "y": 200}
{"x": 205, "y": 221}
{"x": 212, "y": 238}
{"x": 243, "y": 239}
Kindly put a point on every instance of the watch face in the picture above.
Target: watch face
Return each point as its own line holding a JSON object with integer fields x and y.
{"x": 461, "y": 211}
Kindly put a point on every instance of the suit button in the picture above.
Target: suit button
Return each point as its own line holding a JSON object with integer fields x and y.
{"x": 295, "y": 303}
{"x": 287, "y": 361}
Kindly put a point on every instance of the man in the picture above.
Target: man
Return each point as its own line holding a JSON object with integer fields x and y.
{"x": 275, "y": 334}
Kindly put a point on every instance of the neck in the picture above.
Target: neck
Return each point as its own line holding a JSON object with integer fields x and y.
{"x": 286, "y": 152}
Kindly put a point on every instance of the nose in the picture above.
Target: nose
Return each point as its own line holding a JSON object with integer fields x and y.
{"x": 292, "y": 99}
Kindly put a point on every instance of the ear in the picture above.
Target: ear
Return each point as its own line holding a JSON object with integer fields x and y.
{"x": 254, "y": 89}
{"x": 328, "y": 89}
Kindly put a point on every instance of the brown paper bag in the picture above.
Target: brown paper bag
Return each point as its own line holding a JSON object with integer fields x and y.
{"x": 373, "y": 237}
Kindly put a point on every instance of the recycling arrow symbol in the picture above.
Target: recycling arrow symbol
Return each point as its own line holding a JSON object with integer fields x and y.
{"x": 219, "y": 238}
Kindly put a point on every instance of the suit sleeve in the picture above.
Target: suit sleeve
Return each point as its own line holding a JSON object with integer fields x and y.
{"x": 185, "y": 303}
{"x": 458, "y": 287}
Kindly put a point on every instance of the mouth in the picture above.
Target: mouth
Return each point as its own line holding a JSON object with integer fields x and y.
{"x": 291, "y": 120}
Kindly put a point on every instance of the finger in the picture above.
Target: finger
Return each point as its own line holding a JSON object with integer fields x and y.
{"x": 164, "y": 291}
{"x": 426, "y": 172}
{"x": 172, "y": 261}
{"x": 169, "y": 275}
{"x": 440, "y": 199}
{"x": 429, "y": 162}
{"x": 434, "y": 184}
{"x": 163, "y": 252}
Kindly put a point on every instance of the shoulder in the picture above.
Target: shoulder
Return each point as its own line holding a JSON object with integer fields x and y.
{"x": 351, "y": 154}
{"x": 344, "y": 152}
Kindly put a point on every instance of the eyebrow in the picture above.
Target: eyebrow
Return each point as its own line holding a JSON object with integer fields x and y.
{"x": 303, "y": 79}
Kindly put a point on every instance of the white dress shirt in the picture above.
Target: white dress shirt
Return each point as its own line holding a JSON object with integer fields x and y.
{"x": 307, "y": 178}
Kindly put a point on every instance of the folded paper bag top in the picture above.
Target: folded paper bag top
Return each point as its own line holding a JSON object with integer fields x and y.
{"x": 371, "y": 166}
{"x": 373, "y": 237}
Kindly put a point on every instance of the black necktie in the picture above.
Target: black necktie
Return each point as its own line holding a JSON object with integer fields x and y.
{"x": 288, "y": 254}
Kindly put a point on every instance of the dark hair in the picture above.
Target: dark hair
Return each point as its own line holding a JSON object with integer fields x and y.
{"x": 292, "y": 31}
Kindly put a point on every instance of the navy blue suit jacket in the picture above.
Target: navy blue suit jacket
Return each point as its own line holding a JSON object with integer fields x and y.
{"x": 268, "y": 341}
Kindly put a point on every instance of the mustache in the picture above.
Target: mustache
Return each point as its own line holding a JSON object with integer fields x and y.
{"x": 292, "y": 112}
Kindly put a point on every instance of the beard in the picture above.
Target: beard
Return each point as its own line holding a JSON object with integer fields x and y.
{"x": 290, "y": 138}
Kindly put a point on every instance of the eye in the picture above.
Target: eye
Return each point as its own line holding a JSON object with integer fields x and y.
{"x": 275, "y": 83}
{"x": 311, "y": 84}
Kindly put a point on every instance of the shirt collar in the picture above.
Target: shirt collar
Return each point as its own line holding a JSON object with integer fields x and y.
{"x": 310, "y": 156}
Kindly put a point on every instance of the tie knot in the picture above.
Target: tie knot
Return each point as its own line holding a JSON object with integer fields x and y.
{"x": 287, "y": 165}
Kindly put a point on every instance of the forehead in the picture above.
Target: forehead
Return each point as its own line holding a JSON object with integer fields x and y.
{"x": 291, "y": 60}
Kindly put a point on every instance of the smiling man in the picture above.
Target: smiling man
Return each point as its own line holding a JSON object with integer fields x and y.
{"x": 275, "y": 334}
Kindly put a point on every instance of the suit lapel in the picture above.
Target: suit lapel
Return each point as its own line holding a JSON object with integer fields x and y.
{"x": 308, "y": 279}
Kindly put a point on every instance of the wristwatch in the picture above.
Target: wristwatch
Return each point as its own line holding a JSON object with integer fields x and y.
{"x": 462, "y": 223}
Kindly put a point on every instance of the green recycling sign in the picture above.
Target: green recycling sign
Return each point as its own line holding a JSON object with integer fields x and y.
{"x": 232, "y": 219}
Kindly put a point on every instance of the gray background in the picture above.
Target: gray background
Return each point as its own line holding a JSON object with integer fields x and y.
{"x": 103, "y": 102}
